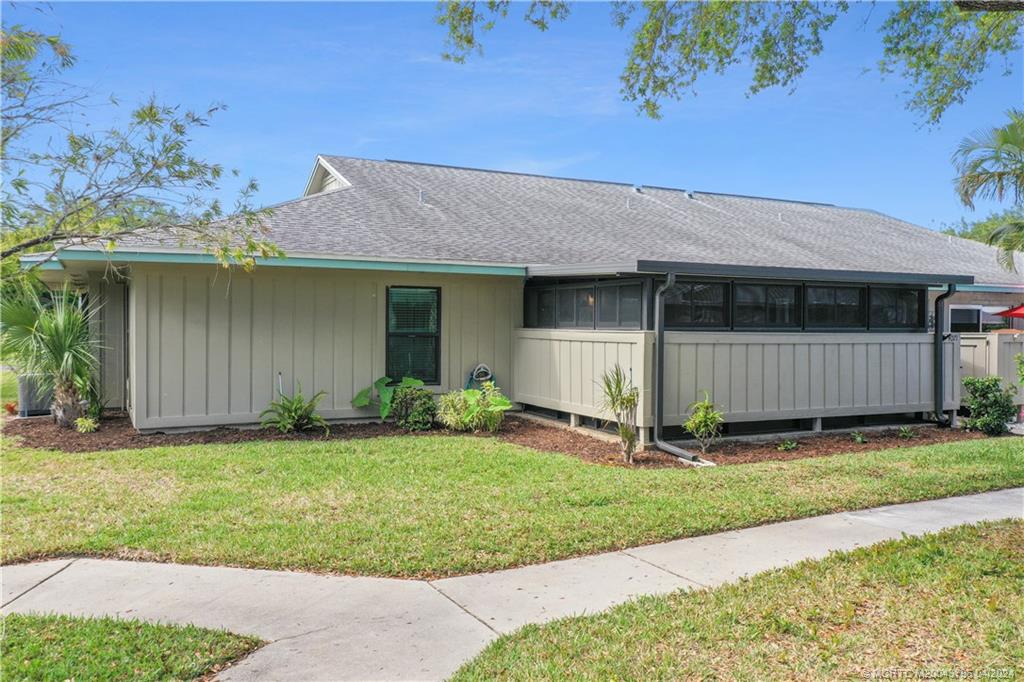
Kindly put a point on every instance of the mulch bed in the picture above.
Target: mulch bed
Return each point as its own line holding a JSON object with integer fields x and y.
{"x": 116, "y": 433}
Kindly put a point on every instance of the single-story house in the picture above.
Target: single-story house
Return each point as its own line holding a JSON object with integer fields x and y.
{"x": 785, "y": 312}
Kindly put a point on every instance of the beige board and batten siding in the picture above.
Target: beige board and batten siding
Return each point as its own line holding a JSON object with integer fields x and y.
{"x": 750, "y": 376}
{"x": 765, "y": 376}
{"x": 207, "y": 345}
{"x": 993, "y": 354}
{"x": 561, "y": 369}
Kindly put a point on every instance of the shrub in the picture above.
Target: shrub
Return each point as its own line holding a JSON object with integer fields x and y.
{"x": 705, "y": 422}
{"x": 1020, "y": 368}
{"x": 294, "y": 413}
{"x": 414, "y": 408}
{"x": 474, "y": 410}
{"x": 621, "y": 398}
{"x": 907, "y": 433}
{"x": 787, "y": 445}
{"x": 990, "y": 405}
{"x": 49, "y": 335}
{"x": 858, "y": 438}
{"x": 381, "y": 394}
{"x": 86, "y": 425}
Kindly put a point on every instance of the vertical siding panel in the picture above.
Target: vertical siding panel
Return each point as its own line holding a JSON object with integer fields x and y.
{"x": 874, "y": 374}
{"x": 472, "y": 305}
{"x": 303, "y": 334}
{"x": 672, "y": 376}
{"x": 194, "y": 376}
{"x": 914, "y": 373}
{"x": 485, "y": 322}
{"x": 900, "y": 373}
{"x": 755, "y": 378}
{"x": 801, "y": 375}
{"x": 687, "y": 381}
{"x": 242, "y": 333}
{"x": 218, "y": 388}
{"x": 721, "y": 381}
{"x": 846, "y": 377}
{"x": 565, "y": 371}
{"x": 284, "y": 333}
{"x": 860, "y": 374}
{"x": 365, "y": 343}
{"x": 154, "y": 315}
{"x": 925, "y": 372}
{"x": 736, "y": 394}
{"x": 262, "y": 312}
{"x": 501, "y": 357}
{"x": 831, "y": 376}
{"x": 452, "y": 304}
{"x": 323, "y": 345}
{"x": 888, "y": 374}
{"x": 589, "y": 391}
{"x": 787, "y": 377}
{"x": 172, "y": 356}
{"x": 816, "y": 374}
{"x": 343, "y": 356}
{"x": 771, "y": 378}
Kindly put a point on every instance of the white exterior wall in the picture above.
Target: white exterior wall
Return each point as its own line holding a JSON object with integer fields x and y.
{"x": 206, "y": 345}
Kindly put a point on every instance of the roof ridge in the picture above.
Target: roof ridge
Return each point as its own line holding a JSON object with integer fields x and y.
{"x": 506, "y": 172}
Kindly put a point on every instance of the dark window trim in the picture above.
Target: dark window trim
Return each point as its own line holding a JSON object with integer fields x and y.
{"x": 727, "y": 307}
{"x": 922, "y": 310}
{"x": 436, "y": 335}
{"x": 865, "y": 307}
{"x": 575, "y": 284}
{"x": 798, "y": 326}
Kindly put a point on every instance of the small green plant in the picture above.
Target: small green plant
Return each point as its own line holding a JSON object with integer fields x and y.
{"x": 381, "y": 393}
{"x": 622, "y": 398}
{"x": 787, "y": 445}
{"x": 474, "y": 410}
{"x": 858, "y": 437}
{"x": 1020, "y": 367}
{"x": 294, "y": 413}
{"x": 990, "y": 405}
{"x": 86, "y": 425}
{"x": 705, "y": 422}
{"x": 907, "y": 433}
{"x": 414, "y": 408}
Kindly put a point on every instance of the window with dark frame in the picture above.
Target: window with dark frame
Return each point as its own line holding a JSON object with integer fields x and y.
{"x": 896, "y": 308}
{"x": 414, "y": 333}
{"x": 836, "y": 307}
{"x": 584, "y": 306}
{"x": 760, "y": 306}
{"x": 696, "y": 305}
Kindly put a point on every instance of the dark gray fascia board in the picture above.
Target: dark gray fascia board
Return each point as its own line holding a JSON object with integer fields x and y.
{"x": 808, "y": 274}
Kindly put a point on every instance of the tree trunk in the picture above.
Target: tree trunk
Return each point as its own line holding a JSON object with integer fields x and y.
{"x": 67, "y": 406}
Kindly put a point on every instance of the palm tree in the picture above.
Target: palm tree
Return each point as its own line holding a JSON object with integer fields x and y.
{"x": 991, "y": 166}
{"x": 49, "y": 336}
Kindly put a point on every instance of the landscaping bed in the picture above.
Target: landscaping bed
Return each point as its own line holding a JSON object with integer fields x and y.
{"x": 945, "y": 606}
{"x": 433, "y": 505}
{"x": 50, "y": 647}
{"x": 117, "y": 433}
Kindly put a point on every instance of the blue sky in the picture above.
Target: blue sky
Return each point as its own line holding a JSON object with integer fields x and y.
{"x": 367, "y": 80}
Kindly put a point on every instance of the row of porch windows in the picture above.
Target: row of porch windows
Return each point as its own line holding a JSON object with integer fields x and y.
{"x": 728, "y": 305}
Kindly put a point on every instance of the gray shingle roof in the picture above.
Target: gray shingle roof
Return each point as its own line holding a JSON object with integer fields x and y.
{"x": 489, "y": 216}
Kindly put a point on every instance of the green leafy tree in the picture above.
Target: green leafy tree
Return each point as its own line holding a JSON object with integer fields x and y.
{"x": 66, "y": 183}
{"x": 981, "y": 230}
{"x": 990, "y": 165}
{"x": 942, "y": 49}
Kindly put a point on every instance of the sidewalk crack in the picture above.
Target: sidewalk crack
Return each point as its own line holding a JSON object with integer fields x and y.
{"x": 23, "y": 593}
{"x": 463, "y": 608}
{"x": 661, "y": 568}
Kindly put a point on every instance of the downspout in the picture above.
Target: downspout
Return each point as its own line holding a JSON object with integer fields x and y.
{"x": 659, "y": 378}
{"x": 938, "y": 356}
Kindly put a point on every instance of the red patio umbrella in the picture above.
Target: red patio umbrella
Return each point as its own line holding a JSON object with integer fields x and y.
{"x": 1013, "y": 312}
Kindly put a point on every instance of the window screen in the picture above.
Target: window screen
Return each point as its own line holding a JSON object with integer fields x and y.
{"x": 835, "y": 307}
{"x": 896, "y": 308}
{"x": 759, "y": 305}
{"x": 619, "y": 306}
{"x": 413, "y": 333}
{"x": 696, "y": 304}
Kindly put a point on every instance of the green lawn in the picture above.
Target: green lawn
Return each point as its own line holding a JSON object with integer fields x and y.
{"x": 434, "y": 505}
{"x": 8, "y": 387}
{"x": 65, "y": 648}
{"x": 951, "y": 604}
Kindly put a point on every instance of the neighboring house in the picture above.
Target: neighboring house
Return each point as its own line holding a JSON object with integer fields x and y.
{"x": 787, "y": 313}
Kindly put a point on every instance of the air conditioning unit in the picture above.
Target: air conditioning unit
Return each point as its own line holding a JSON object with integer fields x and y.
{"x": 32, "y": 400}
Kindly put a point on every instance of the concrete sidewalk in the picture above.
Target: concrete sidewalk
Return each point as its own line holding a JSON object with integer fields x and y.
{"x": 335, "y": 627}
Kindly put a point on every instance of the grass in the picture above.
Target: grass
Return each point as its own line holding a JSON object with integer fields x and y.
{"x": 427, "y": 506}
{"x": 66, "y": 648}
{"x": 8, "y": 386}
{"x": 950, "y": 604}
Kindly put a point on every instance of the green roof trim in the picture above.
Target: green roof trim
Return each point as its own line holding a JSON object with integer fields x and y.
{"x": 327, "y": 263}
{"x": 987, "y": 288}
